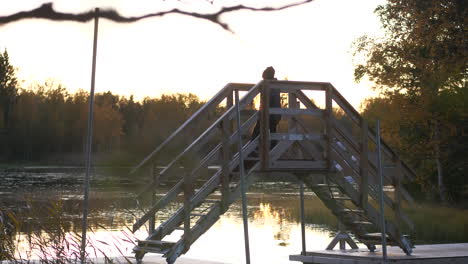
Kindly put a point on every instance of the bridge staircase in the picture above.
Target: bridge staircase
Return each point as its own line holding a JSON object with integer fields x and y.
{"x": 330, "y": 150}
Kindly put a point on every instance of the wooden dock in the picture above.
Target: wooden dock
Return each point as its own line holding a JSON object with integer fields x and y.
{"x": 427, "y": 254}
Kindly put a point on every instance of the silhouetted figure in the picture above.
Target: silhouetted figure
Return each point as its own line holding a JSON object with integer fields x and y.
{"x": 275, "y": 101}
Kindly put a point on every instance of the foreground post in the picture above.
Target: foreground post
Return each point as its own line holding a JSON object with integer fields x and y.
{"x": 242, "y": 182}
{"x": 382, "y": 213}
{"x": 301, "y": 193}
{"x": 89, "y": 140}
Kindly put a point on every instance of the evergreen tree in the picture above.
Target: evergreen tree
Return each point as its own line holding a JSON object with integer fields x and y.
{"x": 8, "y": 89}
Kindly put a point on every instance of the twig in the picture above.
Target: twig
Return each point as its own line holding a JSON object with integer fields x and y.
{"x": 46, "y": 11}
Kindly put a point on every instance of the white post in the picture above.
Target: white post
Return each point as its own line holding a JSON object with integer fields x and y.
{"x": 242, "y": 182}
{"x": 89, "y": 140}
{"x": 382, "y": 212}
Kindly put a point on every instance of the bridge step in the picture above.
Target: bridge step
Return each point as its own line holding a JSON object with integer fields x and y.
{"x": 362, "y": 223}
{"x": 346, "y": 210}
{"x": 324, "y": 185}
{"x": 154, "y": 246}
{"x": 342, "y": 198}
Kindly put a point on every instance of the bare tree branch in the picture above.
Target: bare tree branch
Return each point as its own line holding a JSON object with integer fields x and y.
{"x": 46, "y": 11}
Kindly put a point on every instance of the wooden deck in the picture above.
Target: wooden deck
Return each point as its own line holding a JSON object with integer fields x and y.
{"x": 427, "y": 254}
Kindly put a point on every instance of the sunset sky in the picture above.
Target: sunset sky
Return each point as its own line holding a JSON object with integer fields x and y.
{"x": 179, "y": 54}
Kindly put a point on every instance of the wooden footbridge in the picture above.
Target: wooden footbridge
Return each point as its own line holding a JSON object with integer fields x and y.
{"x": 331, "y": 150}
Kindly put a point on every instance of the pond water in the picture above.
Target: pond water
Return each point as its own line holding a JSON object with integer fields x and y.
{"x": 273, "y": 213}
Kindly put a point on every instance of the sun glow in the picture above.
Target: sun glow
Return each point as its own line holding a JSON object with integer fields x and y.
{"x": 177, "y": 54}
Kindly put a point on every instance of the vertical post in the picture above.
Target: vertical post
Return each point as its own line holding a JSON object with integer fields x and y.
{"x": 301, "y": 193}
{"x": 397, "y": 199}
{"x": 155, "y": 176}
{"x": 292, "y": 103}
{"x": 328, "y": 125}
{"x": 364, "y": 165}
{"x": 229, "y": 104}
{"x": 89, "y": 140}
{"x": 226, "y": 157}
{"x": 188, "y": 191}
{"x": 264, "y": 126}
{"x": 382, "y": 212}
{"x": 242, "y": 182}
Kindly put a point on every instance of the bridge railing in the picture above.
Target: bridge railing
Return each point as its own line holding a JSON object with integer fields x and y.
{"x": 334, "y": 140}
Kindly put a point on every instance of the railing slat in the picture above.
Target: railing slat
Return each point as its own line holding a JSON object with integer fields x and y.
{"x": 293, "y": 112}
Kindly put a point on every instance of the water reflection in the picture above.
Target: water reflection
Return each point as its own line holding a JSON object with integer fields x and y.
{"x": 273, "y": 213}
{"x": 272, "y": 210}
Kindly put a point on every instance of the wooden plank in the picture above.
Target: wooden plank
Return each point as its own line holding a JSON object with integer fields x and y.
{"x": 424, "y": 254}
{"x": 168, "y": 226}
{"x": 364, "y": 166}
{"x": 206, "y": 222}
{"x": 241, "y": 86}
{"x": 372, "y": 169}
{"x": 200, "y": 114}
{"x": 226, "y": 157}
{"x": 202, "y": 139}
{"x": 249, "y": 179}
{"x": 352, "y": 113}
{"x": 289, "y": 86}
{"x": 356, "y": 117}
{"x": 298, "y": 164}
{"x": 351, "y": 168}
{"x": 329, "y": 126}
{"x": 353, "y": 171}
{"x": 346, "y": 138}
{"x": 295, "y": 136}
{"x": 371, "y": 212}
{"x": 244, "y": 127}
{"x": 314, "y": 148}
{"x": 305, "y": 100}
{"x": 155, "y": 176}
{"x": 176, "y": 219}
{"x": 206, "y": 189}
{"x": 165, "y": 200}
{"x": 188, "y": 192}
{"x": 294, "y": 112}
{"x": 264, "y": 146}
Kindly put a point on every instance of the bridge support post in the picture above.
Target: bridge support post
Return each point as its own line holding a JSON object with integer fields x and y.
{"x": 264, "y": 126}
{"x": 155, "y": 176}
{"x": 226, "y": 127}
{"x": 242, "y": 182}
{"x": 188, "y": 192}
{"x": 381, "y": 196}
{"x": 301, "y": 192}
{"x": 364, "y": 165}
{"x": 397, "y": 194}
{"x": 328, "y": 126}
{"x": 342, "y": 238}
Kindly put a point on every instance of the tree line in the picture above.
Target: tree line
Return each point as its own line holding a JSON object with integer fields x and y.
{"x": 47, "y": 123}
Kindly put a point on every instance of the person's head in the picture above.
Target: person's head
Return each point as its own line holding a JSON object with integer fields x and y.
{"x": 269, "y": 73}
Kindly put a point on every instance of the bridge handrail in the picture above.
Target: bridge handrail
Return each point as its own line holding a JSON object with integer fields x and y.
{"x": 229, "y": 114}
{"x": 357, "y": 118}
{"x": 211, "y": 104}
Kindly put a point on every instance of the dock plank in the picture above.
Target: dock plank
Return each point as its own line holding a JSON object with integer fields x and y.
{"x": 431, "y": 254}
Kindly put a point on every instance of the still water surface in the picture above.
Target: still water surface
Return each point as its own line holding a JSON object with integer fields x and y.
{"x": 273, "y": 213}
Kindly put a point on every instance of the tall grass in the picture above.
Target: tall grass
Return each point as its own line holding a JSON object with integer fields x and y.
{"x": 51, "y": 238}
{"x": 439, "y": 224}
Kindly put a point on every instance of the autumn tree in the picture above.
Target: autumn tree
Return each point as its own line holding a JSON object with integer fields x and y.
{"x": 423, "y": 56}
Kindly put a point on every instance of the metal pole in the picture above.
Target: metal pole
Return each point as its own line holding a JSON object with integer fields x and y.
{"x": 242, "y": 182}
{"x": 89, "y": 140}
{"x": 301, "y": 192}
{"x": 382, "y": 212}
